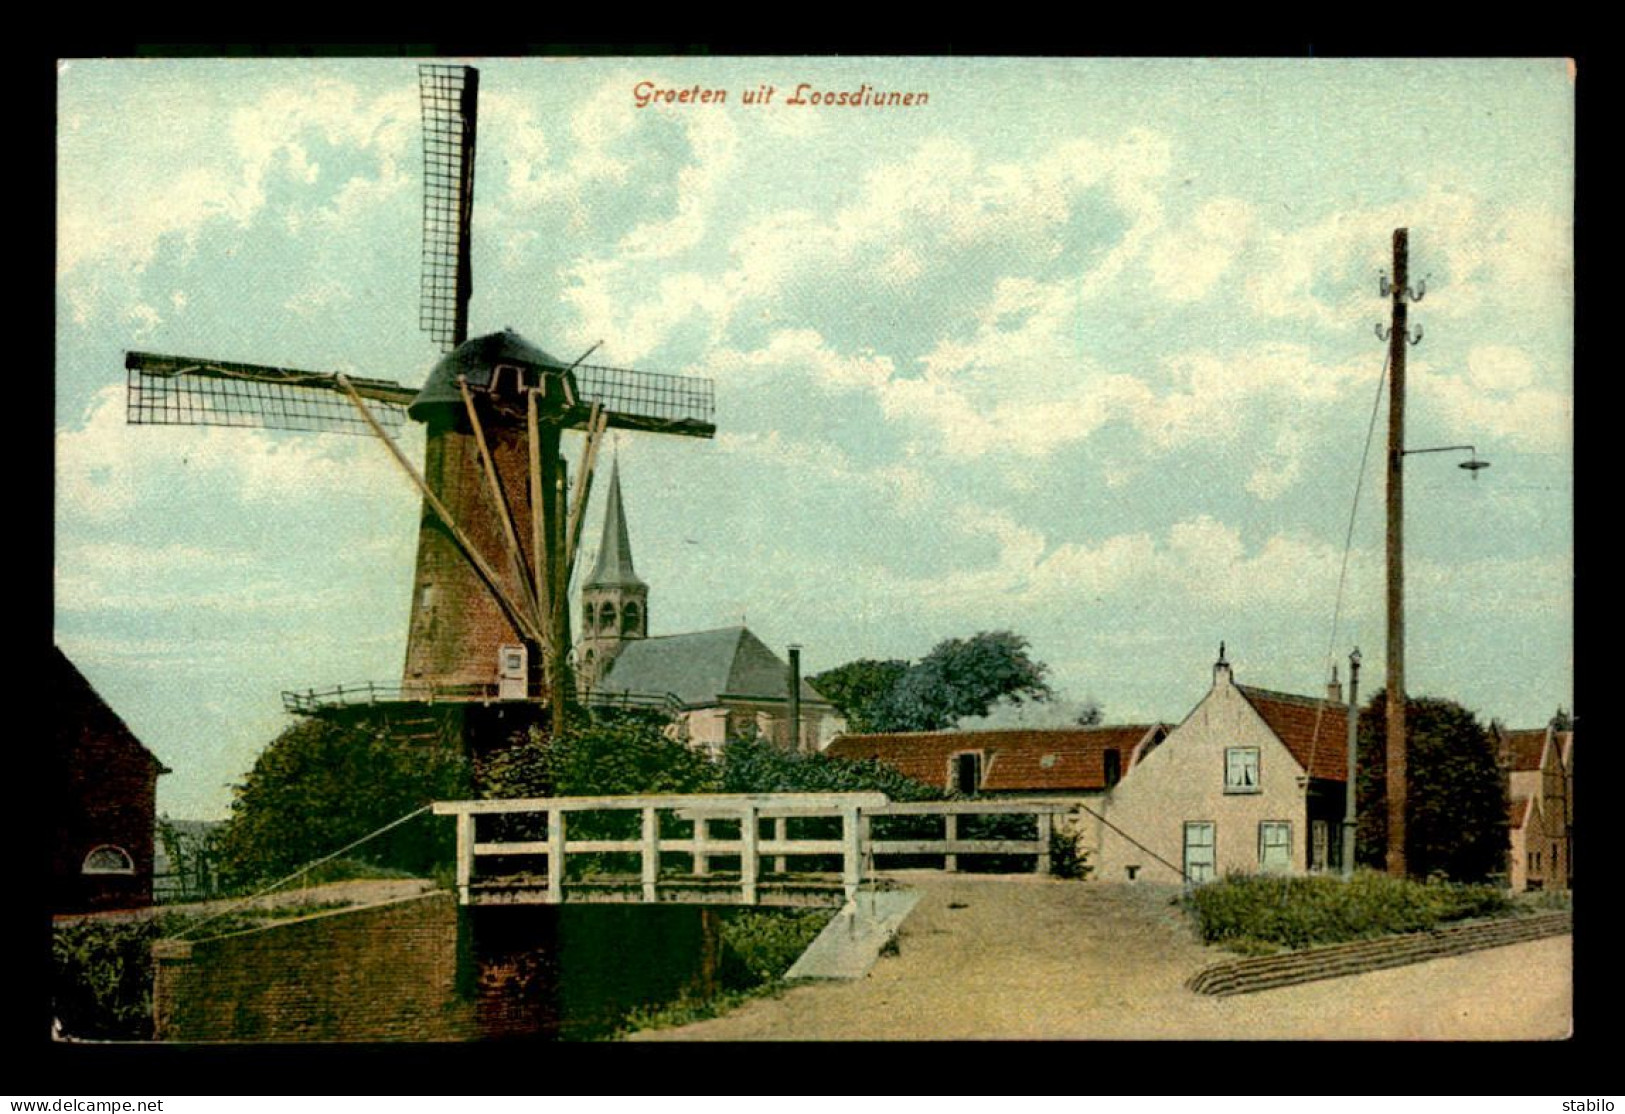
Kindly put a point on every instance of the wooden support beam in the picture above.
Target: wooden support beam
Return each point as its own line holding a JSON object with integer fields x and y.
{"x": 465, "y": 855}
{"x": 778, "y": 837}
{"x": 749, "y": 862}
{"x": 510, "y": 532}
{"x": 538, "y": 548}
{"x": 702, "y": 859}
{"x": 555, "y": 855}
{"x": 651, "y": 853}
{"x": 1045, "y": 826}
{"x": 950, "y": 863}
{"x": 597, "y": 421}
{"x": 852, "y": 858}
{"x": 516, "y": 613}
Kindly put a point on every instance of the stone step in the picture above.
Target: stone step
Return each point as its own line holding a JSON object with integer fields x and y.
{"x": 1267, "y": 972}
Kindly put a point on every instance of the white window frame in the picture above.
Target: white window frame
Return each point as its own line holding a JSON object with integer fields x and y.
{"x": 128, "y": 859}
{"x": 1194, "y": 871}
{"x": 1277, "y": 827}
{"x": 1235, "y": 773}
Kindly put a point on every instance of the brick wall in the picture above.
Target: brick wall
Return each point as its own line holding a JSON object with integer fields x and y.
{"x": 384, "y": 973}
{"x": 102, "y": 785}
{"x": 422, "y": 969}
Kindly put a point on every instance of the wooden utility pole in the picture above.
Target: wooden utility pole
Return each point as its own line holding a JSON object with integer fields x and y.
{"x": 1397, "y": 339}
{"x": 1350, "y": 801}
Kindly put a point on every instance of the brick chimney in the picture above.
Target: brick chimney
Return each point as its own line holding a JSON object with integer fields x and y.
{"x": 1221, "y": 669}
{"x": 1334, "y": 688}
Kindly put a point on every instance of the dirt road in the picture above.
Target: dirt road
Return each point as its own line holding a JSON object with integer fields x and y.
{"x": 990, "y": 959}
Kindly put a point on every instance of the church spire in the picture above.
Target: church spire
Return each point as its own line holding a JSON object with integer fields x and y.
{"x": 613, "y": 569}
{"x": 614, "y": 601}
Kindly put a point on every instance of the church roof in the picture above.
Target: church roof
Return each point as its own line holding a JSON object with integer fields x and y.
{"x": 613, "y": 568}
{"x": 702, "y": 668}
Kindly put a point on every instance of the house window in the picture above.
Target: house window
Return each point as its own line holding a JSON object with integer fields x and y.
{"x": 1275, "y": 846}
{"x": 1241, "y": 770}
{"x": 1200, "y": 858}
{"x": 967, "y": 772}
{"x": 1114, "y": 767}
{"x": 108, "y": 859}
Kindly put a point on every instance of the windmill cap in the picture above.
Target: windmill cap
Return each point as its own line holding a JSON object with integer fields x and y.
{"x": 476, "y": 359}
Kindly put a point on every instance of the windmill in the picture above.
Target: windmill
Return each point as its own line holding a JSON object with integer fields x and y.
{"x": 500, "y": 523}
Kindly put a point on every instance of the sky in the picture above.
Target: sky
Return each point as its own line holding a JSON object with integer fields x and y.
{"x": 1082, "y": 349}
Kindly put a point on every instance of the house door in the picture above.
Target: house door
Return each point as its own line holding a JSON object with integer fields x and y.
{"x": 1200, "y": 857}
{"x": 1320, "y": 839}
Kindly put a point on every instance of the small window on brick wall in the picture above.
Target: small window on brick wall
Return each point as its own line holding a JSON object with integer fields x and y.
{"x": 1241, "y": 770}
{"x": 108, "y": 859}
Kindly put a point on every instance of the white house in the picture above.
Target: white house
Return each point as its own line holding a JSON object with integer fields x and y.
{"x": 1251, "y": 781}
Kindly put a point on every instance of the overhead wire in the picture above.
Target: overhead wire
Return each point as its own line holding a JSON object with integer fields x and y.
{"x": 1348, "y": 545}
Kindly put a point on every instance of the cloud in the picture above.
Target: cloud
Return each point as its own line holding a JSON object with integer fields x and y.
{"x": 1474, "y": 255}
{"x": 1188, "y": 261}
{"x": 1499, "y": 396}
{"x": 107, "y": 470}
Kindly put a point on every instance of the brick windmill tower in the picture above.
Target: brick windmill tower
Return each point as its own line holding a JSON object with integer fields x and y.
{"x": 501, "y": 521}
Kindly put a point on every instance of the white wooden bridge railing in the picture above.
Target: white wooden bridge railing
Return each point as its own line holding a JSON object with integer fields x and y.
{"x": 855, "y": 845}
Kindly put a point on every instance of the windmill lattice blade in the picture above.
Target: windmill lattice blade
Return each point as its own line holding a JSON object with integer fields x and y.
{"x": 450, "y": 96}
{"x": 183, "y": 390}
{"x": 645, "y": 400}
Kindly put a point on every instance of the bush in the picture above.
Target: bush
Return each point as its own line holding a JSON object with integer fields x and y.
{"x": 759, "y": 946}
{"x": 102, "y": 973}
{"x": 321, "y": 785}
{"x": 1067, "y": 857}
{"x": 1246, "y": 910}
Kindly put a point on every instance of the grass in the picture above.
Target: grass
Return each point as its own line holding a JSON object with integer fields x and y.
{"x": 758, "y": 947}
{"x": 1259, "y": 914}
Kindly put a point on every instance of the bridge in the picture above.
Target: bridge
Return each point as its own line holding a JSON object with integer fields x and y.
{"x": 722, "y": 849}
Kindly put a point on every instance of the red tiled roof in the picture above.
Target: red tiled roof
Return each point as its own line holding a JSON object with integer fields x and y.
{"x": 1524, "y": 748}
{"x": 1314, "y": 730}
{"x": 1517, "y": 811}
{"x": 1017, "y": 760}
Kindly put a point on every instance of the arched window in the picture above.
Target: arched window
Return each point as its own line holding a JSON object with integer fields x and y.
{"x": 630, "y": 616}
{"x": 606, "y": 617}
{"x": 587, "y": 613}
{"x": 108, "y": 859}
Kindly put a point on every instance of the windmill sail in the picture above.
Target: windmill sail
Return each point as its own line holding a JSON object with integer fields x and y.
{"x": 450, "y": 96}
{"x": 186, "y": 390}
{"x": 649, "y": 401}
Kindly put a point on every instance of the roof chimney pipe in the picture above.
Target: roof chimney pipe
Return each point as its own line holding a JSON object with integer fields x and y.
{"x": 795, "y": 697}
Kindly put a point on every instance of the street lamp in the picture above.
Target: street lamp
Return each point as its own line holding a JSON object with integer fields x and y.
{"x": 1399, "y": 336}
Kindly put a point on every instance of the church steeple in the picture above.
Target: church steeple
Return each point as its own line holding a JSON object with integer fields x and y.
{"x": 614, "y": 600}
{"x": 613, "y": 569}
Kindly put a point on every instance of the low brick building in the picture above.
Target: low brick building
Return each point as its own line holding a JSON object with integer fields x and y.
{"x": 103, "y": 799}
{"x": 1029, "y": 762}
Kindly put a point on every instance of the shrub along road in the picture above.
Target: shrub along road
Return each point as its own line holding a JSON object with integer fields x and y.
{"x": 1024, "y": 958}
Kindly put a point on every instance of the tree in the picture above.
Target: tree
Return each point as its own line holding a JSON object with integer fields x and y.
{"x": 613, "y": 753}
{"x": 1455, "y": 802}
{"x": 758, "y": 766}
{"x": 858, "y": 687}
{"x": 961, "y": 677}
{"x": 321, "y": 785}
